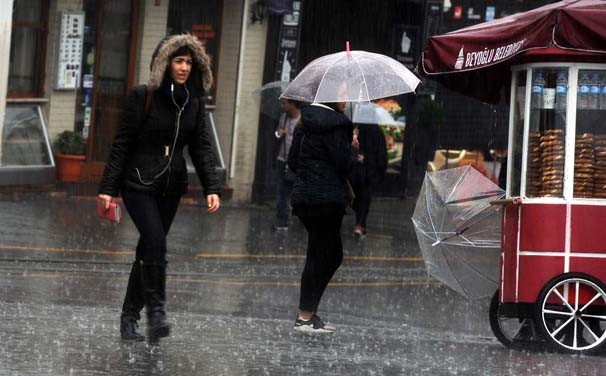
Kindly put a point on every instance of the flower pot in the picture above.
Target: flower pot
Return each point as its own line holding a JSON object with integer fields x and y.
{"x": 69, "y": 167}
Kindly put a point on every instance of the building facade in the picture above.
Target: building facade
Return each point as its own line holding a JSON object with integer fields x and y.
{"x": 68, "y": 65}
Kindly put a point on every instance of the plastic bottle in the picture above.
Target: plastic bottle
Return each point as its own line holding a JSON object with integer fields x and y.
{"x": 594, "y": 91}
{"x": 561, "y": 90}
{"x": 583, "y": 94}
{"x": 603, "y": 94}
{"x": 538, "y": 85}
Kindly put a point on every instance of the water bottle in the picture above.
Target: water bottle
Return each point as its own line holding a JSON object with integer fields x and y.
{"x": 561, "y": 90}
{"x": 583, "y": 95}
{"x": 538, "y": 85}
{"x": 603, "y": 94}
{"x": 594, "y": 91}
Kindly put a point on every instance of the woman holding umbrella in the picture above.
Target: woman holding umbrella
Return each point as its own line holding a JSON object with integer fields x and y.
{"x": 322, "y": 155}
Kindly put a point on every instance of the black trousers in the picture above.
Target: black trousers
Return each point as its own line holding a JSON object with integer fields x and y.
{"x": 153, "y": 215}
{"x": 324, "y": 256}
{"x": 361, "y": 205}
{"x": 284, "y": 191}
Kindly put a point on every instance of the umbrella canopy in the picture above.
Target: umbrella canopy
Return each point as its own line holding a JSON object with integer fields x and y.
{"x": 475, "y": 60}
{"x": 459, "y": 231}
{"x": 372, "y": 113}
{"x": 269, "y": 98}
{"x": 351, "y": 76}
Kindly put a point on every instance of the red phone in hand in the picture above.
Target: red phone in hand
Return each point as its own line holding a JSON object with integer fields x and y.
{"x": 113, "y": 214}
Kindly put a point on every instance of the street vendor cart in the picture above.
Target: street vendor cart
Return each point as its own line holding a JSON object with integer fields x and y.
{"x": 552, "y": 283}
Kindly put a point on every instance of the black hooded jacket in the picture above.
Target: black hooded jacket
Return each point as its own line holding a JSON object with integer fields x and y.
{"x": 322, "y": 157}
{"x": 141, "y": 152}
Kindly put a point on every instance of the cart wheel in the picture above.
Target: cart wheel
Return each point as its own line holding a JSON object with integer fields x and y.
{"x": 573, "y": 324}
{"x": 513, "y": 332}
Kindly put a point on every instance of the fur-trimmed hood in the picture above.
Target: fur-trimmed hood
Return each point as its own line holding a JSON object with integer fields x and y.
{"x": 160, "y": 61}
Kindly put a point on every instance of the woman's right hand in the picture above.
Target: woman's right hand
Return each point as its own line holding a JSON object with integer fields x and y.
{"x": 354, "y": 142}
{"x": 106, "y": 200}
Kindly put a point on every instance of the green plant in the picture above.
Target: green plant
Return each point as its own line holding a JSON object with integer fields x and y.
{"x": 69, "y": 142}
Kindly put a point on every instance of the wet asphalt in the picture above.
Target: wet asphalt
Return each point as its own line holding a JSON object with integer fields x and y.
{"x": 233, "y": 288}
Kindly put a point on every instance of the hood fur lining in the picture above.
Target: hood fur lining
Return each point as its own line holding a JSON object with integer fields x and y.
{"x": 160, "y": 60}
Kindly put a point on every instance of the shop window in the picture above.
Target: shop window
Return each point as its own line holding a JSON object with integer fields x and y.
{"x": 27, "y": 53}
{"x": 202, "y": 19}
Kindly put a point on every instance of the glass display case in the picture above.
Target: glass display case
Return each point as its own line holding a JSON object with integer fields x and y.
{"x": 25, "y": 152}
{"x": 556, "y": 152}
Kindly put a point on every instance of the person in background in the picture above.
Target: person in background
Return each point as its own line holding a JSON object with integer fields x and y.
{"x": 285, "y": 177}
{"x": 146, "y": 167}
{"x": 322, "y": 155}
{"x": 368, "y": 172}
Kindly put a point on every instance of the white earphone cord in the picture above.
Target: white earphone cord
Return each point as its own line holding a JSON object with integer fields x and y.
{"x": 178, "y": 121}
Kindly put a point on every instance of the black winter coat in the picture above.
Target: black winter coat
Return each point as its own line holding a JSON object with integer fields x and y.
{"x": 139, "y": 155}
{"x": 321, "y": 155}
{"x": 372, "y": 145}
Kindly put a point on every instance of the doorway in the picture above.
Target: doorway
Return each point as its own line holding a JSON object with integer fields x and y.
{"x": 108, "y": 71}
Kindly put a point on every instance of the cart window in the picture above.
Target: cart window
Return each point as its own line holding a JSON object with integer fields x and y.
{"x": 590, "y": 143}
{"x": 518, "y": 134}
{"x": 545, "y": 164}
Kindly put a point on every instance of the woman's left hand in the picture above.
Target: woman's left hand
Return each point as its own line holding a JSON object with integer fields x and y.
{"x": 214, "y": 202}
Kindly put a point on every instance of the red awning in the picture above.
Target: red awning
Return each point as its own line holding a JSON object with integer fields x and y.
{"x": 475, "y": 60}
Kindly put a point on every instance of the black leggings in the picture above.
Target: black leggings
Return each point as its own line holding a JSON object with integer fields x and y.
{"x": 324, "y": 256}
{"x": 152, "y": 214}
{"x": 361, "y": 204}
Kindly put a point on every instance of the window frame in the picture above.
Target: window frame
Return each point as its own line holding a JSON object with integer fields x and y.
{"x": 41, "y": 29}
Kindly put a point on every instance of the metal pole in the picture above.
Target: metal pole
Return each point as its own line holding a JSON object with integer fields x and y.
{"x": 6, "y": 18}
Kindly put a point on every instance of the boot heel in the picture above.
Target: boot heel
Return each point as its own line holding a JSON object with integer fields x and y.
{"x": 159, "y": 332}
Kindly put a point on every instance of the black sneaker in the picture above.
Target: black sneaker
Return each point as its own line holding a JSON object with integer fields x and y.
{"x": 277, "y": 227}
{"x": 313, "y": 325}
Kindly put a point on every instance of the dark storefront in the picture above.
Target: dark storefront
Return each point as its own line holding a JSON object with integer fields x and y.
{"x": 436, "y": 119}
{"x": 325, "y": 26}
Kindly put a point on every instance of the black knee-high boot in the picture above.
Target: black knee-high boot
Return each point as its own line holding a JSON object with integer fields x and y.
{"x": 132, "y": 306}
{"x": 154, "y": 282}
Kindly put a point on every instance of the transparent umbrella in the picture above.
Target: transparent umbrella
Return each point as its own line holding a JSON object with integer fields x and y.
{"x": 351, "y": 76}
{"x": 459, "y": 231}
{"x": 268, "y": 96}
{"x": 372, "y": 113}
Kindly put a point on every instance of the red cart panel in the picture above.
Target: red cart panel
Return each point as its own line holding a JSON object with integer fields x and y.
{"x": 535, "y": 272}
{"x": 509, "y": 254}
{"x": 542, "y": 227}
{"x": 588, "y": 228}
{"x": 543, "y": 240}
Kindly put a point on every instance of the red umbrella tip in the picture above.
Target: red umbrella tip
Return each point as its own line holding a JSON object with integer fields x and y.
{"x": 347, "y": 46}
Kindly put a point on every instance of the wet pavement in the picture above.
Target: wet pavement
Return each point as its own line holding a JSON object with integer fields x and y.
{"x": 232, "y": 297}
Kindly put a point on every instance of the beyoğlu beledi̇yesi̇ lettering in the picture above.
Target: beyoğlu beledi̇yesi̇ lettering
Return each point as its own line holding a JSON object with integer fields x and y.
{"x": 488, "y": 56}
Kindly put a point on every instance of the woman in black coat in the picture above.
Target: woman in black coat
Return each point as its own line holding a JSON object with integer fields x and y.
{"x": 322, "y": 156}
{"x": 146, "y": 166}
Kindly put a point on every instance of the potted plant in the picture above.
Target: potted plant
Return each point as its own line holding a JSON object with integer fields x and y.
{"x": 69, "y": 151}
